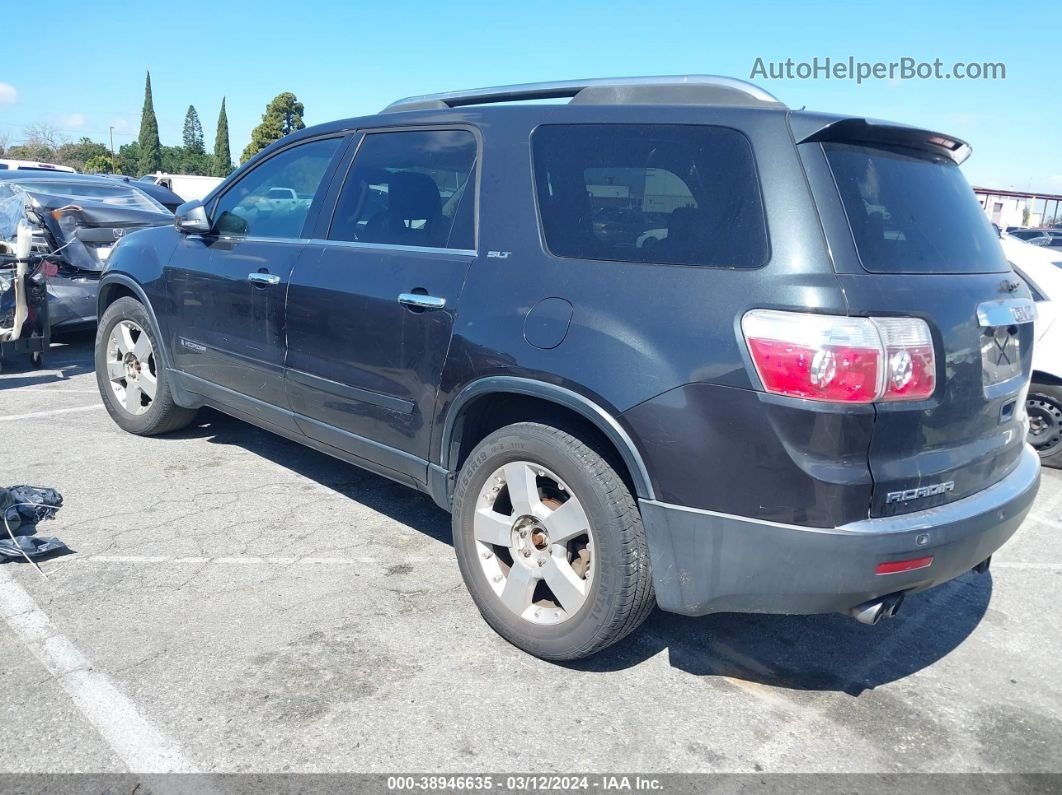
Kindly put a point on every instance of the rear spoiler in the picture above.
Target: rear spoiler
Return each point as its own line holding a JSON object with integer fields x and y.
{"x": 865, "y": 131}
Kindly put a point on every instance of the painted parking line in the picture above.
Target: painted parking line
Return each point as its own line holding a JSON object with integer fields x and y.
{"x": 241, "y": 560}
{"x": 288, "y": 560}
{"x": 40, "y": 414}
{"x": 54, "y": 389}
{"x": 134, "y": 739}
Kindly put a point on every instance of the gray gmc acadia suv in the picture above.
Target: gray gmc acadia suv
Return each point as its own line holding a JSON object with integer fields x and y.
{"x": 670, "y": 343}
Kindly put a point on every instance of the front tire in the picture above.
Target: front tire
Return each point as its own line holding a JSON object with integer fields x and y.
{"x": 1044, "y": 406}
{"x": 129, "y": 372}
{"x": 550, "y": 543}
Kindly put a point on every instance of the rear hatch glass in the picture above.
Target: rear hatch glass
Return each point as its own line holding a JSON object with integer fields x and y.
{"x": 912, "y": 212}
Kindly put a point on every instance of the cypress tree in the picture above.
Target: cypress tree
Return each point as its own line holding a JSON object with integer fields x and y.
{"x": 222, "y": 155}
{"x": 150, "y": 148}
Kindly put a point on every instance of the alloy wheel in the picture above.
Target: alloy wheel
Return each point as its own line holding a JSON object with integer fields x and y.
{"x": 131, "y": 366}
{"x": 534, "y": 543}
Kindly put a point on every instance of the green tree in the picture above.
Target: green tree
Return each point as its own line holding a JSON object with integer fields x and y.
{"x": 282, "y": 116}
{"x": 78, "y": 154}
{"x": 31, "y": 151}
{"x": 129, "y": 159}
{"x": 222, "y": 165}
{"x": 98, "y": 164}
{"x": 194, "y": 163}
{"x": 193, "y": 132}
{"x": 149, "y": 144}
{"x": 172, "y": 159}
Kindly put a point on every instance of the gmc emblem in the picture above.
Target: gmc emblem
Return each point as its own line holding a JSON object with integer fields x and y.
{"x": 1023, "y": 313}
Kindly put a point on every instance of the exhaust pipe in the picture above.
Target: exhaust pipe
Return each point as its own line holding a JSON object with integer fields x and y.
{"x": 876, "y": 609}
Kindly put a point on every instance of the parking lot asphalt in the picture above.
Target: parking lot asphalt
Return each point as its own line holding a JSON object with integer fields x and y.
{"x": 239, "y": 603}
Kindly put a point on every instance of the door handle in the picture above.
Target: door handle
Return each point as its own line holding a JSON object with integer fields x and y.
{"x": 421, "y": 301}
{"x": 263, "y": 278}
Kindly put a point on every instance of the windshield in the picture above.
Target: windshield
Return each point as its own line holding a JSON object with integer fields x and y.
{"x": 912, "y": 212}
{"x": 115, "y": 195}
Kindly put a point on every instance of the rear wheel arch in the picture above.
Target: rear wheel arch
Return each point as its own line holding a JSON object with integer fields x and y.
{"x": 494, "y": 402}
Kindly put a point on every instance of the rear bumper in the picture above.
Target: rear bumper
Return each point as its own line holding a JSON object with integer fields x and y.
{"x": 705, "y": 562}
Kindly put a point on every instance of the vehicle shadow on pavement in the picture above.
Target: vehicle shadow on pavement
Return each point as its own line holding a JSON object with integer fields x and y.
{"x": 71, "y": 356}
{"x": 398, "y": 502}
{"x": 821, "y": 653}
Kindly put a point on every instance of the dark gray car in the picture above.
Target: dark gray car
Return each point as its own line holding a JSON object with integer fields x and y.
{"x": 668, "y": 344}
{"x": 77, "y": 220}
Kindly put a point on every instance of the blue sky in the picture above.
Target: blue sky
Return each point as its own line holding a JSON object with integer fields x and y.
{"x": 347, "y": 58}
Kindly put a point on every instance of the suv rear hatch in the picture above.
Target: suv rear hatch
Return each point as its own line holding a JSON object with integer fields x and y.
{"x": 909, "y": 239}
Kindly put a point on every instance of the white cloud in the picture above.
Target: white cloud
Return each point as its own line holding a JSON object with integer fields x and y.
{"x": 8, "y": 94}
{"x": 74, "y": 121}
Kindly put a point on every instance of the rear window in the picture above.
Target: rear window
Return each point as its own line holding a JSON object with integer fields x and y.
{"x": 678, "y": 194}
{"x": 912, "y": 212}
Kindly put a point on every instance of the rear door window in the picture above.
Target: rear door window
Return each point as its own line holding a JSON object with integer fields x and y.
{"x": 912, "y": 212}
{"x": 412, "y": 188}
{"x": 679, "y": 194}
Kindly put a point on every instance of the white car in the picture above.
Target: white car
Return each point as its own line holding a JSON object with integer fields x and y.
{"x": 1041, "y": 268}
{"x": 187, "y": 186}
{"x": 6, "y": 164}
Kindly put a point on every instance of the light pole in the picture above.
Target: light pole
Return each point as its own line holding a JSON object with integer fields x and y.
{"x": 114, "y": 168}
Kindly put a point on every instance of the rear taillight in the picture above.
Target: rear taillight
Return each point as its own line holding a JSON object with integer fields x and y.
{"x": 910, "y": 366}
{"x": 841, "y": 359}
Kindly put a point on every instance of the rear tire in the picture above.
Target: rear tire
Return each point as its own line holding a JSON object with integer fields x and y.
{"x": 1044, "y": 406}
{"x": 130, "y": 375}
{"x": 550, "y": 543}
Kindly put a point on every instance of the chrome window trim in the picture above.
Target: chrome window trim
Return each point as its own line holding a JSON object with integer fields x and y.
{"x": 463, "y": 252}
{"x": 256, "y": 239}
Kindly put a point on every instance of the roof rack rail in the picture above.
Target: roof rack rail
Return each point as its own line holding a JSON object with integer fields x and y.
{"x": 675, "y": 90}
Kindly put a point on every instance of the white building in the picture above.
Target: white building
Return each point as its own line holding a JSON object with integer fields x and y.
{"x": 1007, "y": 207}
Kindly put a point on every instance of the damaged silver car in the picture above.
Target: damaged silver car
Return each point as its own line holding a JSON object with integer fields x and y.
{"x": 76, "y": 221}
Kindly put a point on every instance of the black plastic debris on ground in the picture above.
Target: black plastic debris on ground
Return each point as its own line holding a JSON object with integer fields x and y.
{"x": 21, "y": 509}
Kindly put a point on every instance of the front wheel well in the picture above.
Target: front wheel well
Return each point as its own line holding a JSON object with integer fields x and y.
{"x": 109, "y": 293}
{"x": 485, "y": 414}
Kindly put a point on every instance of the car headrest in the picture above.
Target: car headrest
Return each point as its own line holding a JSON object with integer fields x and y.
{"x": 683, "y": 223}
{"x": 413, "y": 196}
